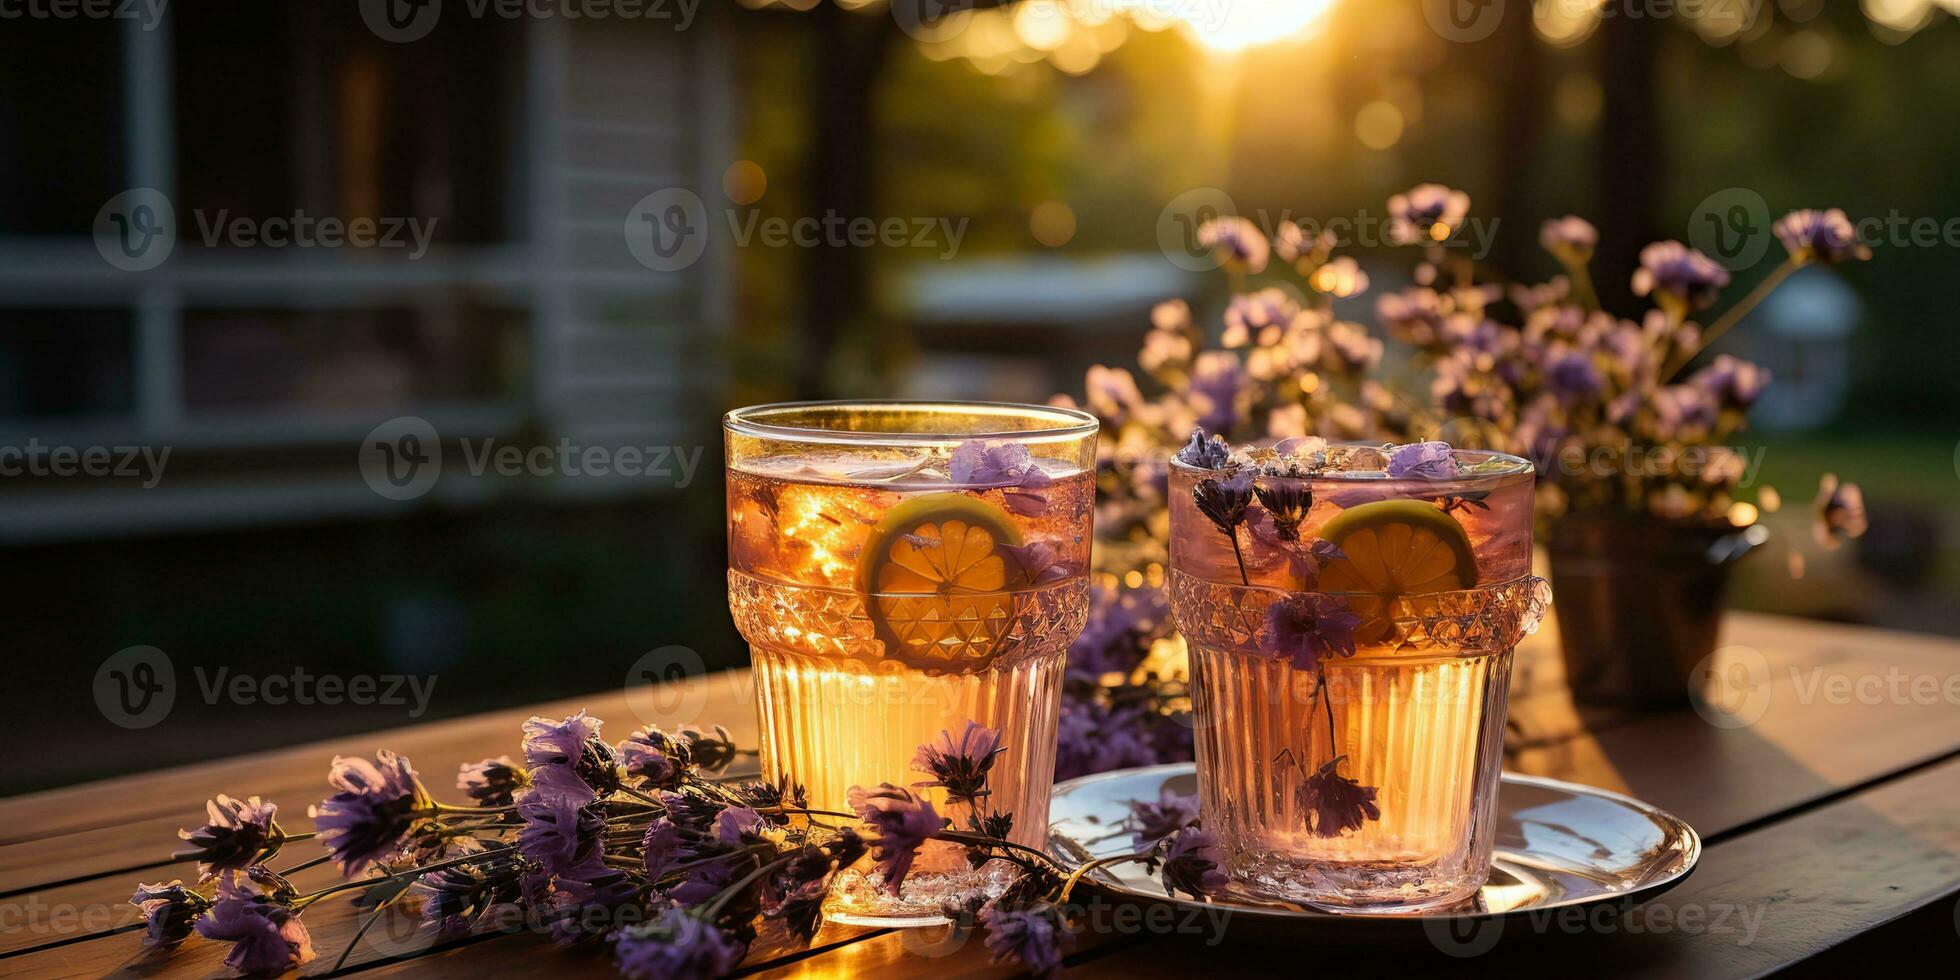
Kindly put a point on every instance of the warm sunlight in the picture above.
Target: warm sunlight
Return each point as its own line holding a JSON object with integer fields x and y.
{"x": 1234, "y": 26}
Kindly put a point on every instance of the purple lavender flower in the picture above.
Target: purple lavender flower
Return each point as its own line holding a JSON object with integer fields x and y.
{"x": 1033, "y": 937}
{"x": 678, "y": 945}
{"x": 1204, "y": 453}
{"x": 799, "y": 908}
{"x": 590, "y": 901}
{"x": 1572, "y": 377}
{"x": 493, "y": 782}
{"x": 1679, "y": 274}
{"x": 267, "y": 937}
{"x": 691, "y": 811}
{"x": 1223, "y": 501}
{"x": 1237, "y": 242}
{"x": 1335, "y": 804}
{"x": 659, "y": 845}
{"x": 169, "y": 911}
{"x": 1350, "y": 346}
{"x": 1426, "y": 213}
{"x": 1305, "y": 628}
{"x": 978, "y": 463}
{"x": 1840, "y": 512}
{"x": 960, "y": 763}
{"x": 712, "y": 754}
{"x": 456, "y": 899}
{"x": 1040, "y": 562}
{"x": 1286, "y": 503}
{"x": 1248, "y": 315}
{"x": 1683, "y": 411}
{"x": 239, "y": 834}
{"x": 1570, "y": 239}
{"x": 1093, "y": 737}
{"x": 738, "y": 825}
{"x": 654, "y": 759}
{"x": 378, "y": 805}
{"x": 900, "y": 823}
{"x": 1122, "y": 624}
{"x": 560, "y": 832}
{"x": 1820, "y": 236}
{"x": 1414, "y": 316}
{"x": 1291, "y": 244}
{"x": 1193, "y": 864}
{"x": 569, "y": 757}
{"x": 1734, "y": 382}
{"x": 1152, "y": 822}
{"x": 1217, "y": 382}
{"x": 703, "y": 881}
{"x": 1422, "y": 461}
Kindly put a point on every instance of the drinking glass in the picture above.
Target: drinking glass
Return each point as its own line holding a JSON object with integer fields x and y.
{"x": 900, "y": 569}
{"x": 1350, "y": 643}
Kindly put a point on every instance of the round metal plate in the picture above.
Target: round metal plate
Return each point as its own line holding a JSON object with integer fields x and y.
{"x": 1558, "y": 844}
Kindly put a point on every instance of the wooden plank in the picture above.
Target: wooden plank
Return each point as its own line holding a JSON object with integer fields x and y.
{"x": 1831, "y": 746}
{"x": 1759, "y": 903}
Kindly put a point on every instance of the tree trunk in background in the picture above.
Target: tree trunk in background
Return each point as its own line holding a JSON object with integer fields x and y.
{"x": 1632, "y": 154}
{"x": 1522, "y": 106}
{"x": 846, "y": 58}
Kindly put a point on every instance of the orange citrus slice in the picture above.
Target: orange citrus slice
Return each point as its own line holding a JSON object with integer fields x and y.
{"x": 936, "y": 574}
{"x": 1390, "y": 549}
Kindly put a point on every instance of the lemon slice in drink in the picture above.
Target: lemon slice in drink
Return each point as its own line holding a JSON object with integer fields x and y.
{"x": 937, "y": 576}
{"x": 1390, "y": 549}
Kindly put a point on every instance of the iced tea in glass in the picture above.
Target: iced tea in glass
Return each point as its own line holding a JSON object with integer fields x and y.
{"x": 1350, "y": 613}
{"x": 900, "y": 569}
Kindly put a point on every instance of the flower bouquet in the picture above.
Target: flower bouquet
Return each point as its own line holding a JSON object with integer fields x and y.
{"x": 645, "y": 847}
{"x": 1631, "y": 430}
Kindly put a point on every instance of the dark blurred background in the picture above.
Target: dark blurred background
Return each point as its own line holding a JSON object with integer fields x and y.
{"x": 1029, "y": 150}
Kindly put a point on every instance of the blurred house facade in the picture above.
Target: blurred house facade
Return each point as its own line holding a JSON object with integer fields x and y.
{"x": 521, "y": 144}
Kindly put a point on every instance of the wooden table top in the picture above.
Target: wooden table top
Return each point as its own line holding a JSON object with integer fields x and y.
{"x": 1831, "y": 824}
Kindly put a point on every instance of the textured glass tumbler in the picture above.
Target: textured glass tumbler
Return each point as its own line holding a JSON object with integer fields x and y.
{"x": 900, "y": 569}
{"x": 1356, "y": 778}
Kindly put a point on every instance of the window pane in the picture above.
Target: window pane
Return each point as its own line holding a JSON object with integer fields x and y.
{"x": 62, "y": 363}
{"x": 61, "y": 117}
{"x": 336, "y": 122}
{"x": 351, "y": 359}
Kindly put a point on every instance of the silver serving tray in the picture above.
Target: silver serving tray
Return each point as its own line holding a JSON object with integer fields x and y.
{"x": 1558, "y": 844}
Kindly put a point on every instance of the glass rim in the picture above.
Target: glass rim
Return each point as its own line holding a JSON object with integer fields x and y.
{"x": 1518, "y": 466}
{"x": 1068, "y": 423}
